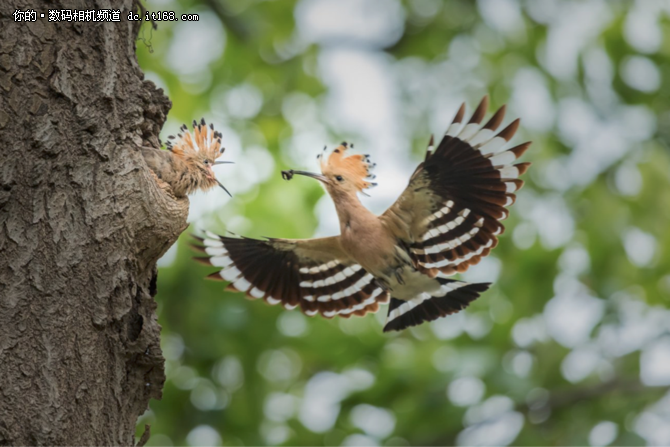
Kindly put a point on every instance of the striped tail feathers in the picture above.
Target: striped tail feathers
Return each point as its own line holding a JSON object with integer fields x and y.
{"x": 452, "y": 297}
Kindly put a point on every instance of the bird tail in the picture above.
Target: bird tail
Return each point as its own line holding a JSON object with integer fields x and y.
{"x": 451, "y": 297}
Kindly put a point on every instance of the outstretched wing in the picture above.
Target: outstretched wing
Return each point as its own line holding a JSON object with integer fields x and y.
{"x": 449, "y": 214}
{"x": 315, "y": 274}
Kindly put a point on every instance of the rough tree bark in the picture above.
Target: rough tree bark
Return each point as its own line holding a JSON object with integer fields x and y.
{"x": 82, "y": 223}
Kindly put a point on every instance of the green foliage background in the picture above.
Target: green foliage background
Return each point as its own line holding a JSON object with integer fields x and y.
{"x": 241, "y": 372}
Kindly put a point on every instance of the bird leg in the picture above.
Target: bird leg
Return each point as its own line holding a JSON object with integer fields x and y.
{"x": 398, "y": 275}
{"x": 383, "y": 284}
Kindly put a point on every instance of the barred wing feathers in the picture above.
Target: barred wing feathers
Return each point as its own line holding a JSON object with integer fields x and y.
{"x": 450, "y": 212}
{"x": 313, "y": 274}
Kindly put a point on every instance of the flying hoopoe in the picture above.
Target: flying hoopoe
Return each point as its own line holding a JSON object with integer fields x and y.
{"x": 446, "y": 220}
{"x": 187, "y": 164}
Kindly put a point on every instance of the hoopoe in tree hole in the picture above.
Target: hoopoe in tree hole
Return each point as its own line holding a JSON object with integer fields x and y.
{"x": 446, "y": 220}
{"x": 187, "y": 164}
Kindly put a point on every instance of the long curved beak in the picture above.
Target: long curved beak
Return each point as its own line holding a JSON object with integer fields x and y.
{"x": 215, "y": 179}
{"x": 288, "y": 175}
{"x": 224, "y": 188}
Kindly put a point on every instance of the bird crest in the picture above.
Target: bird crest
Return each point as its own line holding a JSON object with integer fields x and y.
{"x": 199, "y": 150}
{"x": 204, "y": 142}
{"x": 355, "y": 168}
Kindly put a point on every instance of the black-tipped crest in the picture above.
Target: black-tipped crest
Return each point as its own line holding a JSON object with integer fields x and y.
{"x": 202, "y": 145}
{"x": 355, "y": 167}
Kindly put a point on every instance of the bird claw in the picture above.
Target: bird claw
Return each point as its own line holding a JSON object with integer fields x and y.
{"x": 287, "y": 175}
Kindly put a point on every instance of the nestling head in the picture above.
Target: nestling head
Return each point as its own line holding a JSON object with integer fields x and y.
{"x": 341, "y": 171}
{"x": 199, "y": 150}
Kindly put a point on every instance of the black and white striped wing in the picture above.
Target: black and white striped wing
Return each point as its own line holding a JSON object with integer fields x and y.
{"x": 313, "y": 274}
{"x": 453, "y": 205}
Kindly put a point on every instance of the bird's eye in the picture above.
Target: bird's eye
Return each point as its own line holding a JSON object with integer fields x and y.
{"x": 206, "y": 162}
{"x": 338, "y": 178}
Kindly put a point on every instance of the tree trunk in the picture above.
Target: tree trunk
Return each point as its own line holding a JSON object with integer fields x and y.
{"x": 82, "y": 223}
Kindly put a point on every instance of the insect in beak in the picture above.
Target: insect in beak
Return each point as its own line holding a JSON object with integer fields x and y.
{"x": 288, "y": 175}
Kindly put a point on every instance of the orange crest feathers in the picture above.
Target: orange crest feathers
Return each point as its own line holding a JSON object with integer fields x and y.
{"x": 354, "y": 168}
{"x": 203, "y": 141}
